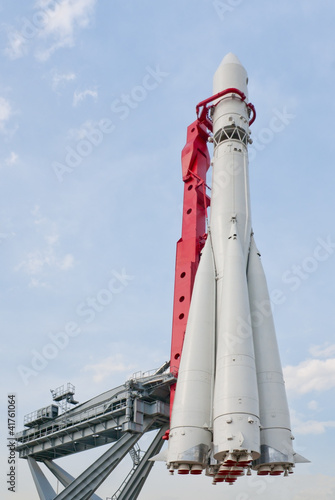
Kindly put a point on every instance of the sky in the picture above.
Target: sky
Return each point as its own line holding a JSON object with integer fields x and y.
{"x": 95, "y": 100}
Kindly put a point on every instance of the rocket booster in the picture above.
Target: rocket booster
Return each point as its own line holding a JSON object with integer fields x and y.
{"x": 230, "y": 410}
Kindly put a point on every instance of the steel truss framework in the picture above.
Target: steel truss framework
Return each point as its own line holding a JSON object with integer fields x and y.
{"x": 120, "y": 416}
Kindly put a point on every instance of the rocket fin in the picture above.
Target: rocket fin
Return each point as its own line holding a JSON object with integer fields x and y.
{"x": 160, "y": 457}
{"x": 299, "y": 459}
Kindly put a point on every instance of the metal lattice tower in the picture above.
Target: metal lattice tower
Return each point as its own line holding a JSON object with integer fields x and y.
{"x": 120, "y": 416}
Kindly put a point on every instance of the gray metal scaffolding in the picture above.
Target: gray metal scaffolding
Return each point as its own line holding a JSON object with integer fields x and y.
{"x": 120, "y": 416}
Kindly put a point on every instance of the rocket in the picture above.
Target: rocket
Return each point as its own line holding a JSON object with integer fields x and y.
{"x": 230, "y": 413}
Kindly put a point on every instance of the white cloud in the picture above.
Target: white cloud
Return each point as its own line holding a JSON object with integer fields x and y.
{"x": 314, "y": 427}
{"x": 16, "y": 46}
{"x": 59, "y": 79}
{"x": 36, "y": 283}
{"x": 108, "y": 366}
{"x": 77, "y": 134}
{"x": 64, "y": 18}
{"x": 322, "y": 488}
{"x": 6, "y": 236}
{"x": 310, "y": 375}
{"x": 80, "y": 96}
{"x": 5, "y": 112}
{"x": 66, "y": 263}
{"x": 313, "y": 405}
{"x": 301, "y": 426}
{"x": 12, "y": 159}
{"x": 53, "y": 25}
{"x": 33, "y": 263}
{"x": 295, "y": 487}
{"x": 51, "y": 239}
{"x": 38, "y": 262}
{"x": 38, "y": 218}
{"x": 323, "y": 351}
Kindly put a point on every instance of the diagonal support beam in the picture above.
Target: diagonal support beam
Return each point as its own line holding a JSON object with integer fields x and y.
{"x": 63, "y": 476}
{"x": 89, "y": 481}
{"x": 137, "y": 480}
{"x": 44, "y": 488}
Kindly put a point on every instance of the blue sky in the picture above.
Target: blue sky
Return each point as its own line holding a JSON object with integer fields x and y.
{"x": 95, "y": 99}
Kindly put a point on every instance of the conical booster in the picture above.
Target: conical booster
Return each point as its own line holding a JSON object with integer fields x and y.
{"x": 191, "y": 422}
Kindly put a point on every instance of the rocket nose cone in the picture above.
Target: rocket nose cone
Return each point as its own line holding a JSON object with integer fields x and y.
{"x": 230, "y": 73}
{"x": 230, "y": 59}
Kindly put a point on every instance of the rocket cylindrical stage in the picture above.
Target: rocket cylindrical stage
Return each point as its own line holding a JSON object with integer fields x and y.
{"x": 230, "y": 178}
{"x": 236, "y": 406}
{"x": 235, "y": 402}
{"x": 230, "y": 409}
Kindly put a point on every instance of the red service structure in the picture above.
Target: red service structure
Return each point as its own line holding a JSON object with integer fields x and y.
{"x": 229, "y": 411}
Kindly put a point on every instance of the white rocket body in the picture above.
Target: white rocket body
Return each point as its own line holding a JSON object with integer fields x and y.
{"x": 190, "y": 432}
{"x": 230, "y": 405}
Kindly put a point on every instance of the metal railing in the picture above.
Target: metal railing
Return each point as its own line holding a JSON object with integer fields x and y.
{"x": 80, "y": 418}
